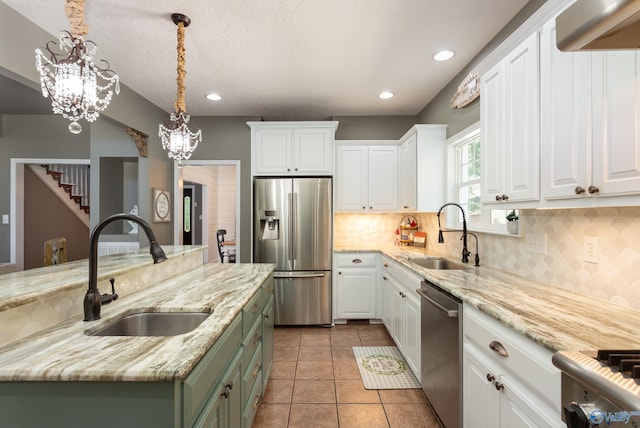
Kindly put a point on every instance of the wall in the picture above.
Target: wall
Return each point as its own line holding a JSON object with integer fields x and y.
{"x": 615, "y": 279}
{"x": 48, "y": 217}
{"x": 373, "y": 128}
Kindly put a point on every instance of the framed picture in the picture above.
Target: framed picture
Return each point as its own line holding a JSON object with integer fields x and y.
{"x": 161, "y": 206}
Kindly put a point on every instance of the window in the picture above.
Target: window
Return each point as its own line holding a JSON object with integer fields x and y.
{"x": 464, "y": 169}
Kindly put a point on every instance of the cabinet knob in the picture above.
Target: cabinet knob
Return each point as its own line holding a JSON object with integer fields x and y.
{"x": 266, "y": 316}
{"x": 579, "y": 190}
{"x": 288, "y": 169}
{"x": 405, "y": 206}
{"x": 498, "y": 198}
{"x": 370, "y": 208}
{"x": 356, "y": 261}
{"x": 490, "y": 377}
{"x": 364, "y": 208}
{"x": 505, "y": 198}
{"x": 339, "y": 273}
{"x": 296, "y": 169}
{"x": 499, "y": 386}
{"x": 386, "y": 265}
{"x": 593, "y": 189}
{"x": 384, "y": 277}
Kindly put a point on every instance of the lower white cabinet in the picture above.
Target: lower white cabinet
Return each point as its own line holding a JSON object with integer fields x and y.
{"x": 356, "y": 286}
{"x": 508, "y": 380}
{"x": 401, "y": 310}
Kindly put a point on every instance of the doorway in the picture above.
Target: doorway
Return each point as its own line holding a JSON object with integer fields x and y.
{"x": 210, "y": 201}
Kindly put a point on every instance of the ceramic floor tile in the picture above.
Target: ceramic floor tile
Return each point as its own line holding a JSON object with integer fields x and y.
{"x": 286, "y": 340}
{"x": 346, "y": 369}
{"x": 316, "y": 331}
{"x": 376, "y": 341}
{"x": 352, "y": 391}
{"x": 350, "y": 339}
{"x": 314, "y": 370}
{"x": 343, "y": 353}
{"x": 315, "y": 340}
{"x": 402, "y": 396}
{"x": 314, "y": 391}
{"x": 362, "y": 416}
{"x": 287, "y": 331}
{"x": 311, "y": 353}
{"x": 283, "y": 370}
{"x": 272, "y": 416}
{"x": 410, "y": 415}
{"x": 278, "y": 391}
{"x": 285, "y": 353}
{"x": 313, "y": 415}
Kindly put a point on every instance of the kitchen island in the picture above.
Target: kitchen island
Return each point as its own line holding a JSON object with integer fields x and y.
{"x": 63, "y": 376}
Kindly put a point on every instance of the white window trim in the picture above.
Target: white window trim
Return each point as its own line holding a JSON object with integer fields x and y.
{"x": 452, "y": 213}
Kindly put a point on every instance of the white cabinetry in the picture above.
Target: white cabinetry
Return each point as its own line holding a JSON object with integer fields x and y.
{"x": 292, "y": 148}
{"x": 510, "y": 127}
{"x": 591, "y": 143}
{"x": 366, "y": 176}
{"x": 508, "y": 381}
{"x": 356, "y": 286}
{"x": 421, "y": 160}
{"x": 401, "y": 310}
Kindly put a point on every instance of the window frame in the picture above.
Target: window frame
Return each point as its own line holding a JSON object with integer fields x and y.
{"x": 481, "y": 223}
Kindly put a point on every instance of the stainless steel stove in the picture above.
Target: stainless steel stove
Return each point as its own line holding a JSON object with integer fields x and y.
{"x": 600, "y": 389}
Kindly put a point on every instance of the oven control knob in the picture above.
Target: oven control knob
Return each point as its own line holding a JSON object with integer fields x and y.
{"x": 581, "y": 415}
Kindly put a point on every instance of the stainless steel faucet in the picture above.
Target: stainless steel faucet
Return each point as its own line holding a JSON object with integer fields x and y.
{"x": 465, "y": 251}
{"x": 93, "y": 299}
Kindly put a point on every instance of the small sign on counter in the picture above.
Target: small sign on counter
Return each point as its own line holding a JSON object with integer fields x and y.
{"x": 420, "y": 239}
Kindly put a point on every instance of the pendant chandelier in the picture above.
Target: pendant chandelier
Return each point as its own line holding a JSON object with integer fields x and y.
{"x": 77, "y": 87}
{"x": 174, "y": 133}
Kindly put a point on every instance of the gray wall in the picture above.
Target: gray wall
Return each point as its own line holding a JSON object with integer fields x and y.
{"x": 438, "y": 110}
{"x": 373, "y": 127}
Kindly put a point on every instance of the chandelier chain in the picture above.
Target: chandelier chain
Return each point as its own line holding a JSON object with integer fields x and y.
{"x": 75, "y": 14}
{"x": 180, "y": 105}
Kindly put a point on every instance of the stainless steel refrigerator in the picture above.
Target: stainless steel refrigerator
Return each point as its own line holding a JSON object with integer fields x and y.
{"x": 293, "y": 229}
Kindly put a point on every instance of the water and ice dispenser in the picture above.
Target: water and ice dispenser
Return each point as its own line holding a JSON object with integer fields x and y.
{"x": 269, "y": 225}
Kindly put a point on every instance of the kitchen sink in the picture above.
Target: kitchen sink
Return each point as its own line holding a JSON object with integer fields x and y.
{"x": 437, "y": 264}
{"x": 153, "y": 324}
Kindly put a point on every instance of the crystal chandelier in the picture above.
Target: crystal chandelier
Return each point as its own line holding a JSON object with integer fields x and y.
{"x": 78, "y": 88}
{"x": 176, "y": 137}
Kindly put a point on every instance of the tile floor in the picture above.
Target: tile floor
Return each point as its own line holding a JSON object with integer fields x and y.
{"x": 315, "y": 383}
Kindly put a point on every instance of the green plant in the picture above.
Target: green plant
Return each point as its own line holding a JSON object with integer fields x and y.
{"x": 512, "y": 216}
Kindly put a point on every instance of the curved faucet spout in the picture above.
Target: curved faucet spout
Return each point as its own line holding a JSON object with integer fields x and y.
{"x": 465, "y": 251}
{"x": 92, "y": 300}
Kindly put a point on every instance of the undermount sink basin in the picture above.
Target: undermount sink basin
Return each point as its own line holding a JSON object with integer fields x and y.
{"x": 437, "y": 264}
{"x": 153, "y": 324}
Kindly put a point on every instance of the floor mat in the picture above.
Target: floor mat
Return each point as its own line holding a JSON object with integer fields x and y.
{"x": 384, "y": 367}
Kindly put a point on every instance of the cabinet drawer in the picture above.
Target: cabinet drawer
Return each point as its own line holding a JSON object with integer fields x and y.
{"x": 527, "y": 361}
{"x": 251, "y": 406}
{"x": 252, "y": 341}
{"x": 252, "y": 372}
{"x": 252, "y": 311}
{"x": 267, "y": 288}
{"x": 356, "y": 260}
{"x": 206, "y": 374}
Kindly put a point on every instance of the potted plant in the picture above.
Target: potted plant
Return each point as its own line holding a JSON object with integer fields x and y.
{"x": 512, "y": 222}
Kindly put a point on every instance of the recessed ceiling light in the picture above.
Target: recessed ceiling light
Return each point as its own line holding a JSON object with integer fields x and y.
{"x": 213, "y": 97}
{"x": 443, "y": 55}
{"x": 385, "y": 95}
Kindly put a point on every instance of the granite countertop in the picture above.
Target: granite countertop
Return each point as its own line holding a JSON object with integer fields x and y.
{"x": 66, "y": 353}
{"x": 556, "y": 318}
{"x": 23, "y": 287}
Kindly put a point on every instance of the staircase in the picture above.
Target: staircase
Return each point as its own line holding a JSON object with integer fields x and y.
{"x": 74, "y": 180}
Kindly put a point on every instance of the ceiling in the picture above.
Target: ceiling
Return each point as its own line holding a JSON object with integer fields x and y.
{"x": 286, "y": 59}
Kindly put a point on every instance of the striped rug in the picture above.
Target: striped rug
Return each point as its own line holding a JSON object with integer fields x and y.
{"x": 384, "y": 367}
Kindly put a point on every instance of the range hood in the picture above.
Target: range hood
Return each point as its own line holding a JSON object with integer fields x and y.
{"x": 599, "y": 25}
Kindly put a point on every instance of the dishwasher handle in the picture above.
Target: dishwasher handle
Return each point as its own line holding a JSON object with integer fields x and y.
{"x": 309, "y": 275}
{"x": 451, "y": 313}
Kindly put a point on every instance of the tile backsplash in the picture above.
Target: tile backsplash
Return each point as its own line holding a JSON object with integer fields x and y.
{"x": 615, "y": 278}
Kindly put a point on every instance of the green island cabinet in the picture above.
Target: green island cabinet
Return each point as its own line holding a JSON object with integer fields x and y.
{"x": 223, "y": 390}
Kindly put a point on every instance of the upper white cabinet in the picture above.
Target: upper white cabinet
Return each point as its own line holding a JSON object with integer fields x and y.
{"x": 510, "y": 127}
{"x": 421, "y": 160}
{"x": 366, "y": 176}
{"x": 590, "y": 127}
{"x": 292, "y": 148}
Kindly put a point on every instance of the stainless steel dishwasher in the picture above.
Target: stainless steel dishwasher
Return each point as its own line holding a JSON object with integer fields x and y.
{"x": 441, "y": 352}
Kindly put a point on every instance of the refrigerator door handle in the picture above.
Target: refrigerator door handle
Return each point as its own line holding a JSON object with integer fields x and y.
{"x": 312, "y": 275}
{"x": 294, "y": 225}
{"x": 291, "y": 229}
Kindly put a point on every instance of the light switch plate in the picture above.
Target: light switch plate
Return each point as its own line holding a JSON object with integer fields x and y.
{"x": 5, "y": 218}
{"x": 536, "y": 243}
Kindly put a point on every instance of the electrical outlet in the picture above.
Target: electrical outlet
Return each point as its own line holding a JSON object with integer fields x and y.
{"x": 372, "y": 228}
{"x": 536, "y": 243}
{"x": 591, "y": 250}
